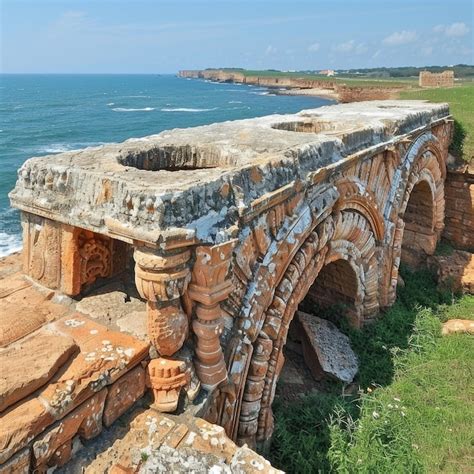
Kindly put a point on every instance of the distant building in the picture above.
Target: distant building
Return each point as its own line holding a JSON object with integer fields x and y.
{"x": 328, "y": 72}
{"x": 432, "y": 79}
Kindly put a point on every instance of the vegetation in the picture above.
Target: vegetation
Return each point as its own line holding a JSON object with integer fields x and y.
{"x": 461, "y": 104}
{"x": 413, "y": 412}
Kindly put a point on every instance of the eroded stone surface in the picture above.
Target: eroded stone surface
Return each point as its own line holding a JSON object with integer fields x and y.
{"x": 29, "y": 364}
{"x": 455, "y": 272}
{"x": 232, "y": 226}
{"x": 326, "y": 345}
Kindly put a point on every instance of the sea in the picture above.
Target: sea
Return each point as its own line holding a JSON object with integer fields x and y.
{"x": 48, "y": 114}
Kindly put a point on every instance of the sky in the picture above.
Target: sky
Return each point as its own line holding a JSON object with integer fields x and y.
{"x": 153, "y": 36}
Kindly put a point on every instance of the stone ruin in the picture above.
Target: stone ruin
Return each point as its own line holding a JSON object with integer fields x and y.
{"x": 436, "y": 79}
{"x": 230, "y": 228}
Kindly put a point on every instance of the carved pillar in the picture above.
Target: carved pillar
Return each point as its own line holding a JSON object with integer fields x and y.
{"x": 162, "y": 278}
{"x": 208, "y": 288}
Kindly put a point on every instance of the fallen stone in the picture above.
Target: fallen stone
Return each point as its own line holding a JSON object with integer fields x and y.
{"x": 326, "y": 350}
{"x": 453, "y": 326}
{"x": 30, "y": 363}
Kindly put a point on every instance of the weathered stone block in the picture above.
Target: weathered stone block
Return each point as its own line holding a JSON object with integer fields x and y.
{"x": 123, "y": 394}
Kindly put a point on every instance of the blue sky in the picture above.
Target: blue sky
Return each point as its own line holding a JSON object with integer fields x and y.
{"x": 145, "y": 36}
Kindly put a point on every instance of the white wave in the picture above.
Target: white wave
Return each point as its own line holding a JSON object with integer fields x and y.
{"x": 111, "y": 103}
{"x": 186, "y": 109}
{"x": 9, "y": 243}
{"x": 123, "y": 109}
{"x": 235, "y": 102}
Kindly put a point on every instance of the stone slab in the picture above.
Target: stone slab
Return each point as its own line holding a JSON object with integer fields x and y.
{"x": 326, "y": 346}
{"x": 105, "y": 356}
{"x": 30, "y": 363}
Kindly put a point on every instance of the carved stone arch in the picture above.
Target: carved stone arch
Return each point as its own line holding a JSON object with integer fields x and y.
{"x": 352, "y": 241}
{"x": 355, "y": 195}
{"x": 423, "y": 164}
{"x": 426, "y": 143}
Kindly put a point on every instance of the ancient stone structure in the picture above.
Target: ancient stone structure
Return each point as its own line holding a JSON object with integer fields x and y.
{"x": 231, "y": 226}
{"x": 436, "y": 79}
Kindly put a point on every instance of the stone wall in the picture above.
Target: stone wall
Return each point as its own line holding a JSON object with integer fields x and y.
{"x": 459, "y": 220}
{"x": 433, "y": 79}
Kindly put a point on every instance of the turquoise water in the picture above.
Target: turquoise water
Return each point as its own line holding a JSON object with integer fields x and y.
{"x": 47, "y": 114}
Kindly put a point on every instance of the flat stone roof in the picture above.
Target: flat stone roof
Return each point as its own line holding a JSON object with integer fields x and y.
{"x": 194, "y": 182}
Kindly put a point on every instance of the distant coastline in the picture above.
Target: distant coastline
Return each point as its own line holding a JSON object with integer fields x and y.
{"x": 291, "y": 84}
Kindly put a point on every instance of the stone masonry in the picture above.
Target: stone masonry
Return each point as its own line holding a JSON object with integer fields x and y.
{"x": 231, "y": 226}
{"x": 436, "y": 79}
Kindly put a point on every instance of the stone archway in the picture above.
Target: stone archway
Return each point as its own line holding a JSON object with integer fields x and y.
{"x": 419, "y": 237}
{"x": 351, "y": 249}
{"x": 335, "y": 286}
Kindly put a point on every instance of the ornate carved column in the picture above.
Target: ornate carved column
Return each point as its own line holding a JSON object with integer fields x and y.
{"x": 208, "y": 288}
{"x": 161, "y": 278}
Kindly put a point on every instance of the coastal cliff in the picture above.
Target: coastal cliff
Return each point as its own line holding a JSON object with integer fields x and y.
{"x": 297, "y": 85}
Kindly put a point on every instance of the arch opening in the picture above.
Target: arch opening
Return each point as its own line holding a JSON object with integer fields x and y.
{"x": 332, "y": 296}
{"x": 419, "y": 237}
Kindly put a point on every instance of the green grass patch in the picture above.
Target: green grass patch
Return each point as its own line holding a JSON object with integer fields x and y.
{"x": 414, "y": 411}
{"x": 461, "y": 104}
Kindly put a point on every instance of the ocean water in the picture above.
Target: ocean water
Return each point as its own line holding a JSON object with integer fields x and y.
{"x": 48, "y": 114}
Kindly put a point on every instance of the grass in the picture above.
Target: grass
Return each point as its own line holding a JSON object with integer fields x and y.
{"x": 461, "y": 104}
{"x": 414, "y": 410}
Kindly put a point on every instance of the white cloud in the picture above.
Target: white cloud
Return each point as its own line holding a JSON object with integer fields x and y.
{"x": 453, "y": 30}
{"x": 400, "y": 37}
{"x": 350, "y": 46}
{"x": 312, "y": 48}
{"x": 346, "y": 47}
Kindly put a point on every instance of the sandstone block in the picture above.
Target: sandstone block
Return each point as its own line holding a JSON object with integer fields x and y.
{"x": 18, "y": 464}
{"x": 452, "y": 326}
{"x": 105, "y": 356}
{"x": 455, "y": 272}
{"x": 30, "y": 363}
{"x": 123, "y": 394}
{"x": 20, "y": 424}
{"x": 86, "y": 420}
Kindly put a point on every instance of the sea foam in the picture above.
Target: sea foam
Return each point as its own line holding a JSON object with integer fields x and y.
{"x": 185, "y": 109}
{"x": 9, "y": 243}
{"x": 123, "y": 109}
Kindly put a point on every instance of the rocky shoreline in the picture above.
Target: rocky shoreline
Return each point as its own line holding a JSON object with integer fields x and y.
{"x": 284, "y": 85}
